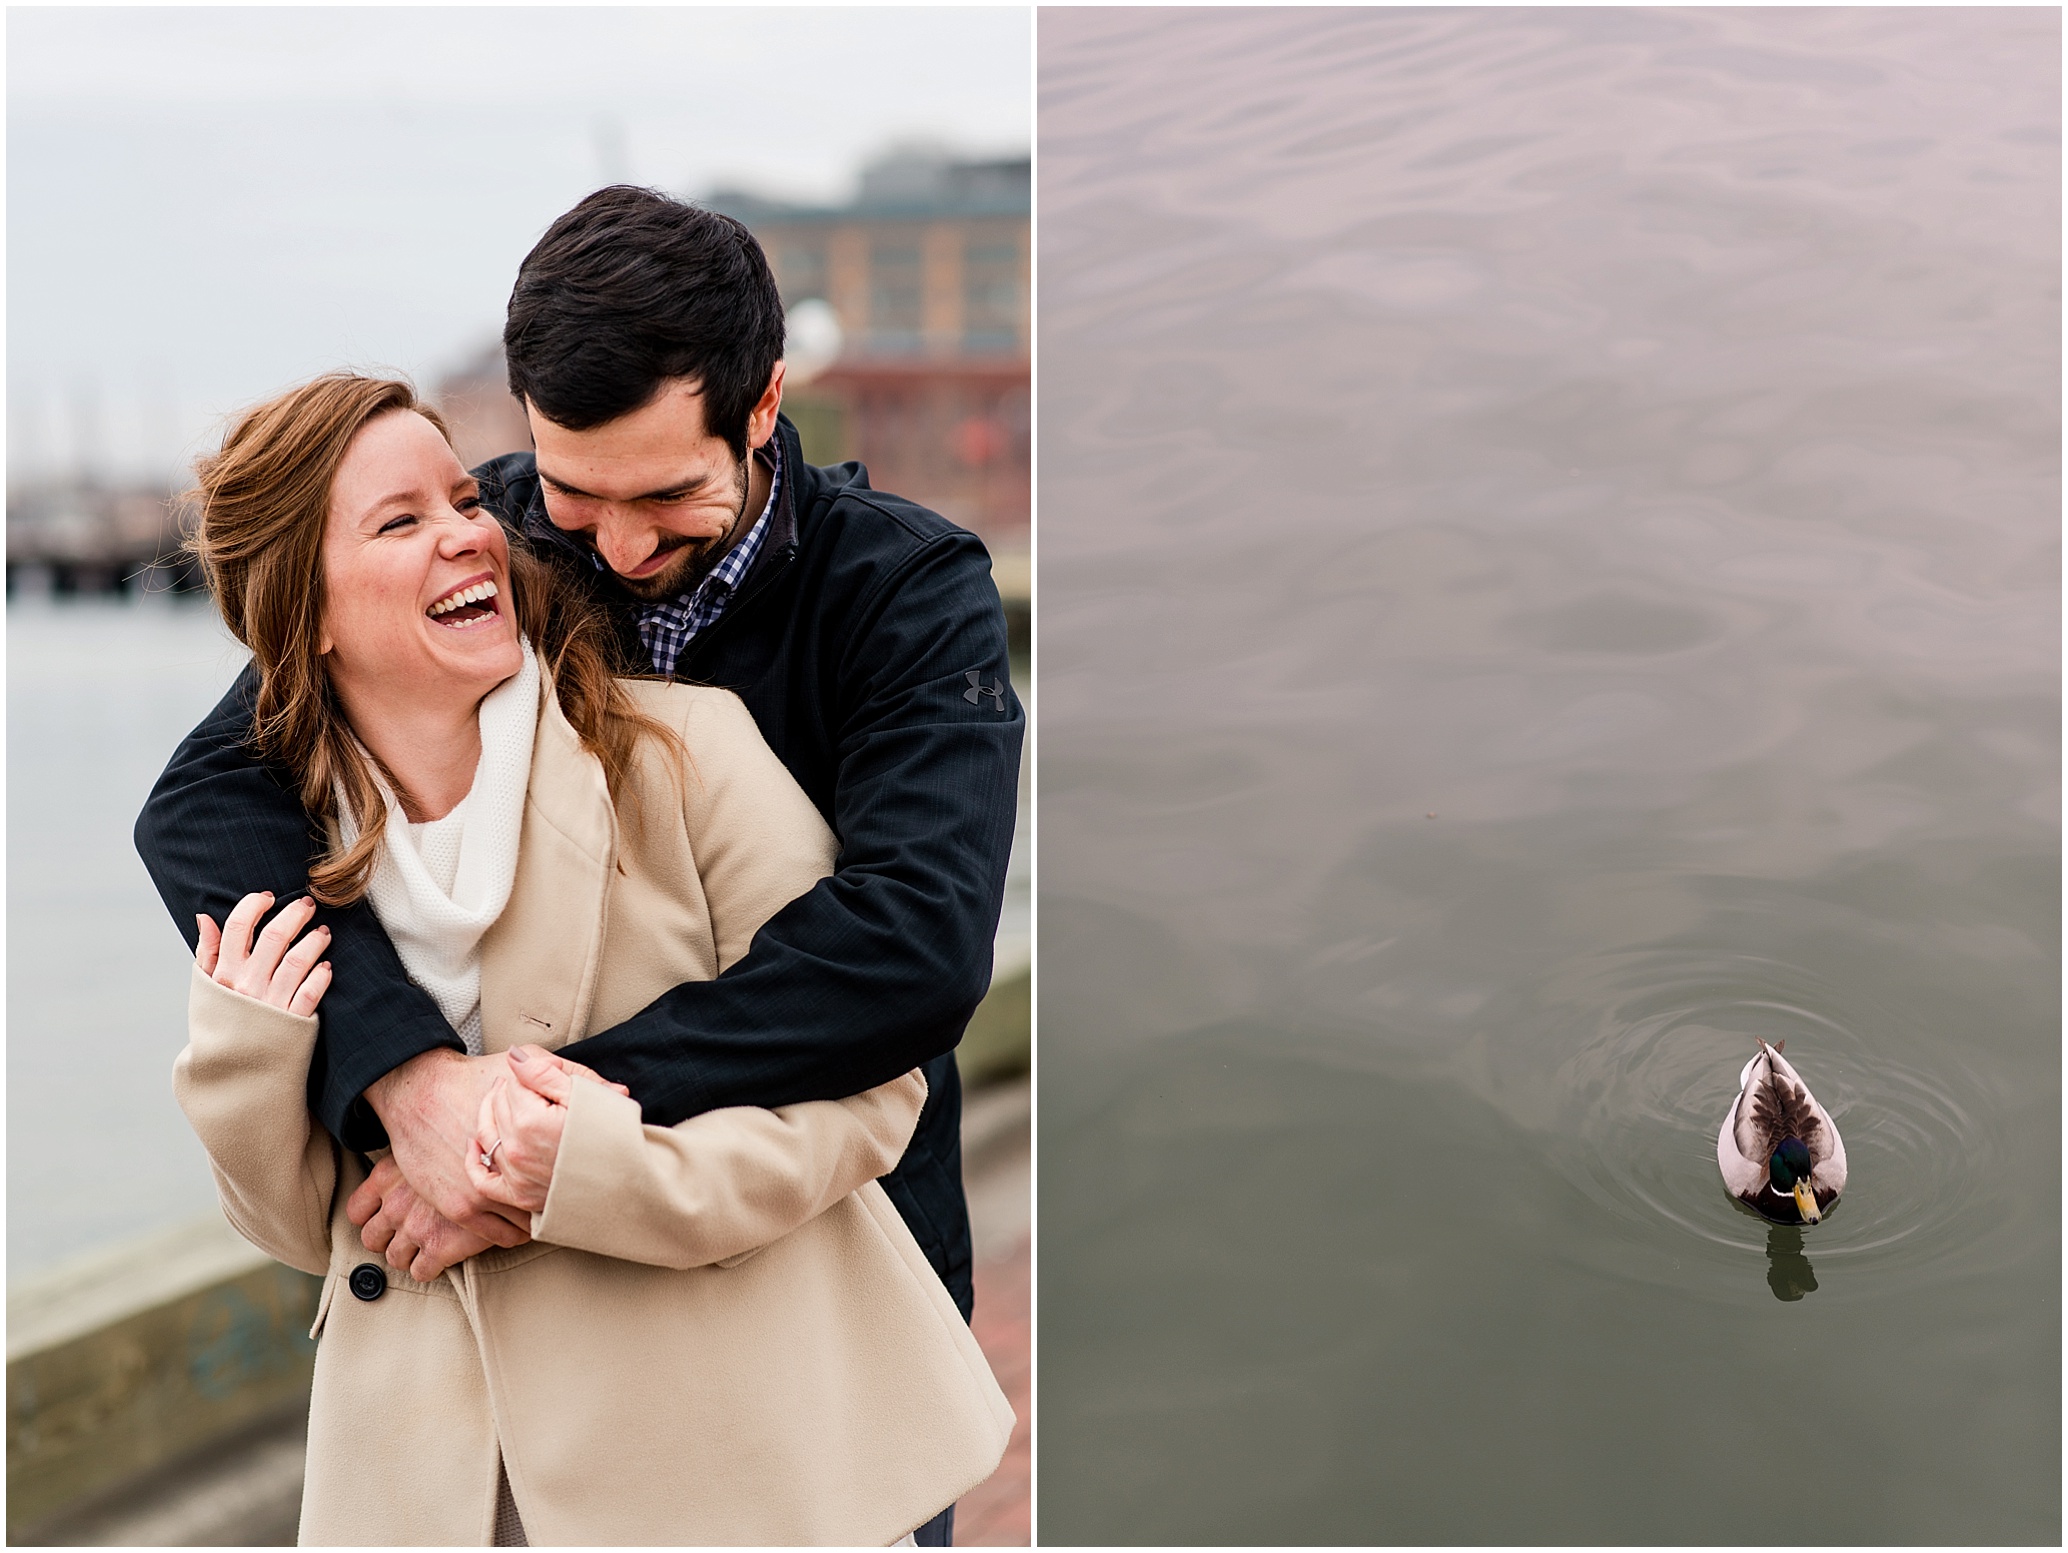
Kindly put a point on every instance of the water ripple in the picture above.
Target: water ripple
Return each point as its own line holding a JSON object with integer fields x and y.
{"x": 1647, "y": 1090}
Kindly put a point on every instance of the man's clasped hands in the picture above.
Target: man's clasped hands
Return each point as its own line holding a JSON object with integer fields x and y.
{"x": 473, "y": 1140}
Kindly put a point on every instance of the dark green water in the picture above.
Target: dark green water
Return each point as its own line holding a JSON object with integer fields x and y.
{"x": 1549, "y": 571}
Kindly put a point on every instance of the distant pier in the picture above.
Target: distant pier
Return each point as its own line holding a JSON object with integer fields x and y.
{"x": 87, "y": 537}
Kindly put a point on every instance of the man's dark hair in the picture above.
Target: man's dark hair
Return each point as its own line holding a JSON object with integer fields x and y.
{"x": 631, "y": 288}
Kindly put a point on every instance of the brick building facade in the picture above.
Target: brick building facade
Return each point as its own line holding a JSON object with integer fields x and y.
{"x": 927, "y": 271}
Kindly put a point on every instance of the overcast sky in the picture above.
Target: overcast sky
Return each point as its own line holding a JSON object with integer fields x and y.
{"x": 206, "y": 205}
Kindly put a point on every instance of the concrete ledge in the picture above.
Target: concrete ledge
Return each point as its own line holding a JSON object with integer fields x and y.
{"x": 999, "y": 1043}
{"x": 129, "y": 1359}
{"x": 243, "y": 1491}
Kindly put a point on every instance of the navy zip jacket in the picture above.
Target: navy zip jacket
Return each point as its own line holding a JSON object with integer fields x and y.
{"x": 868, "y": 642}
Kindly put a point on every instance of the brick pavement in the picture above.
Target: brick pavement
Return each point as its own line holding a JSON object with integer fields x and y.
{"x": 995, "y": 1514}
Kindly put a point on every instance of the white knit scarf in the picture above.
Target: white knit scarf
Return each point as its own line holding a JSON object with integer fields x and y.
{"x": 437, "y": 911}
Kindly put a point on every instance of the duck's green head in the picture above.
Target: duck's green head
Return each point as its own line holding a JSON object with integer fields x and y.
{"x": 1790, "y": 1171}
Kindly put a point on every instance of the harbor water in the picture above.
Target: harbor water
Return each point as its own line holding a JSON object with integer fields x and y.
{"x": 1548, "y": 576}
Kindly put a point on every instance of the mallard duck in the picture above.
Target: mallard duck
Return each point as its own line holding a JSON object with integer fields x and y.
{"x": 1779, "y": 1150}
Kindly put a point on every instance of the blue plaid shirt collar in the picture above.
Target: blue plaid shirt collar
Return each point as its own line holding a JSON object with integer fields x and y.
{"x": 667, "y": 627}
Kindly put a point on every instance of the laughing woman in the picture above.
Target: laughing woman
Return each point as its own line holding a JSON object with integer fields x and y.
{"x": 720, "y": 1332}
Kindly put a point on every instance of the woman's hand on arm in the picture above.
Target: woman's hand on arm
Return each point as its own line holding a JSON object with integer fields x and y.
{"x": 396, "y": 1221}
{"x": 276, "y": 967}
{"x": 243, "y": 1078}
{"x": 522, "y": 1118}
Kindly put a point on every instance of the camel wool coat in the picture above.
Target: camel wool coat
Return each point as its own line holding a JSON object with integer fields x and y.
{"x": 721, "y": 1332}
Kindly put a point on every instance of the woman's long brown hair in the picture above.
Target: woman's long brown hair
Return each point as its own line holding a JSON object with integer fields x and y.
{"x": 263, "y": 505}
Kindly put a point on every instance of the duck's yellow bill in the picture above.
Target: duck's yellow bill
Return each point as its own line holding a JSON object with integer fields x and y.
{"x": 1806, "y": 1203}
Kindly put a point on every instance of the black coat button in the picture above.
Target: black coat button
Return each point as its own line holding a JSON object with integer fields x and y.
{"x": 368, "y": 1281}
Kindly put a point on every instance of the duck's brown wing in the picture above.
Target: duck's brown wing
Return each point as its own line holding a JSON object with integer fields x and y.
{"x": 1776, "y": 1105}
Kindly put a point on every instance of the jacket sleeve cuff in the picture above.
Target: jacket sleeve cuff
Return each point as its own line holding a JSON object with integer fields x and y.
{"x": 224, "y": 1017}
{"x": 718, "y": 1186}
{"x": 602, "y": 1149}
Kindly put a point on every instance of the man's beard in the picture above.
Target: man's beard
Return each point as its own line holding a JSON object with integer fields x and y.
{"x": 690, "y": 564}
{"x": 693, "y": 559}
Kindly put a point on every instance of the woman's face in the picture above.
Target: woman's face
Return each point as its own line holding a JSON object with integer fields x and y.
{"x": 408, "y": 540}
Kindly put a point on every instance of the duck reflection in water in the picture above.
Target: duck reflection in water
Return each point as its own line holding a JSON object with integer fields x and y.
{"x": 1788, "y": 1271}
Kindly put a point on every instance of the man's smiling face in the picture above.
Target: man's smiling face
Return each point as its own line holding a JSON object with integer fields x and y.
{"x": 654, "y": 492}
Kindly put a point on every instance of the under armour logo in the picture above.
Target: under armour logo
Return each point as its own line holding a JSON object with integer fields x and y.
{"x": 978, "y": 690}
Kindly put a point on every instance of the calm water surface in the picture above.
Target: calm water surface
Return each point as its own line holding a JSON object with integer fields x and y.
{"x": 99, "y": 693}
{"x": 1549, "y": 570}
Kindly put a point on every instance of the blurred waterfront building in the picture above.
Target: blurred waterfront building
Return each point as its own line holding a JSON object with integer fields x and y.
{"x": 927, "y": 273}
{"x": 929, "y": 261}
{"x": 911, "y": 324}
